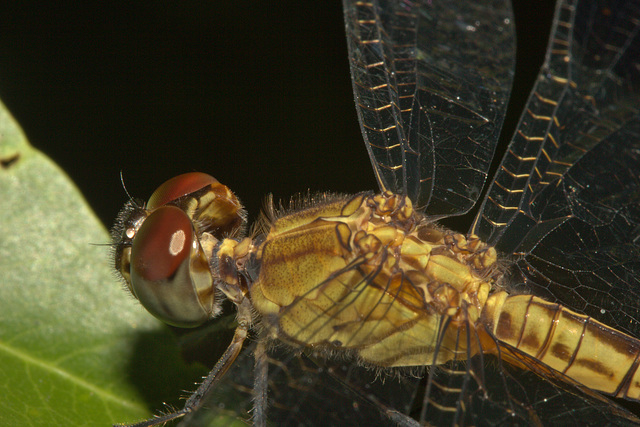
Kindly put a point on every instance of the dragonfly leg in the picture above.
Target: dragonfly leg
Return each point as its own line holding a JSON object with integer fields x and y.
{"x": 221, "y": 367}
{"x": 260, "y": 383}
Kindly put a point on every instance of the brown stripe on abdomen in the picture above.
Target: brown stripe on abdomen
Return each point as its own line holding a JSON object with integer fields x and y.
{"x": 589, "y": 352}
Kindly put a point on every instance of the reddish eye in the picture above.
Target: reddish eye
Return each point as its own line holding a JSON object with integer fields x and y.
{"x": 179, "y": 186}
{"x": 158, "y": 246}
{"x": 169, "y": 271}
{"x": 209, "y": 204}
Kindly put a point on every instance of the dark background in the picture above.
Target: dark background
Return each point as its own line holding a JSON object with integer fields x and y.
{"x": 257, "y": 94}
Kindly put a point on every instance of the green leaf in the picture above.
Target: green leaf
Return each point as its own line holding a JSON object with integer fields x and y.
{"x": 74, "y": 348}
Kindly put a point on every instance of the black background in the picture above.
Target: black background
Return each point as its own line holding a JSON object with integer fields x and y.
{"x": 257, "y": 94}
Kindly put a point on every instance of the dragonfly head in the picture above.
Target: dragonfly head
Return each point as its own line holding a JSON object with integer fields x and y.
{"x": 163, "y": 248}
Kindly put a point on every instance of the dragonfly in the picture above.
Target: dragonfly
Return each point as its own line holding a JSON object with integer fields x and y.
{"x": 530, "y": 318}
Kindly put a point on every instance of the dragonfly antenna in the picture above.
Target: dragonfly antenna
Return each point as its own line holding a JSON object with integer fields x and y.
{"x": 124, "y": 187}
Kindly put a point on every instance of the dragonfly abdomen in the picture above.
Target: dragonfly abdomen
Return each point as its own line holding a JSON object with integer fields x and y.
{"x": 578, "y": 346}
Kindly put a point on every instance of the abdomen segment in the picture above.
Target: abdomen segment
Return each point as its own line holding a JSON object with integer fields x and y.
{"x": 583, "y": 349}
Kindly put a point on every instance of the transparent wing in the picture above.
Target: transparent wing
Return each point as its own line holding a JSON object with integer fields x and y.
{"x": 568, "y": 192}
{"x": 566, "y": 198}
{"x": 431, "y": 80}
{"x": 487, "y": 392}
{"x": 581, "y": 199}
{"x": 565, "y": 201}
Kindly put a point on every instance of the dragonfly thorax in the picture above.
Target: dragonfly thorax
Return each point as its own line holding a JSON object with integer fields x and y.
{"x": 369, "y": 275}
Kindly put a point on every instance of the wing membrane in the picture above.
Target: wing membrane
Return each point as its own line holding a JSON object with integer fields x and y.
{"x": 568, "y": 192}
{"x": 567, "y": 195}
{"x": 566, "y": 198}
{"x": 431, "y": 81}
{"x": 586, "y": 96}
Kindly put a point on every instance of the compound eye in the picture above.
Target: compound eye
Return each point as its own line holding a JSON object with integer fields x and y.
{"x": 179, "y": 186}
{"x": 170, "y": 273}
{"x": 208, "y": 203}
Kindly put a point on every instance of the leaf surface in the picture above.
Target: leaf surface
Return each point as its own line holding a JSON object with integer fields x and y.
{"x": 74, "y": 348}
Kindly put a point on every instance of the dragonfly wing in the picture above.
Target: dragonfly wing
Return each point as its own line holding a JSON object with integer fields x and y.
{"x": 585, "y": 100}
{"x": 540, "y": 397}
{"x": 566, "y": 198}
{"x": 305, "y": 393}
{"x": 431, "y": 82}
{"x": 508, "y": 395}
